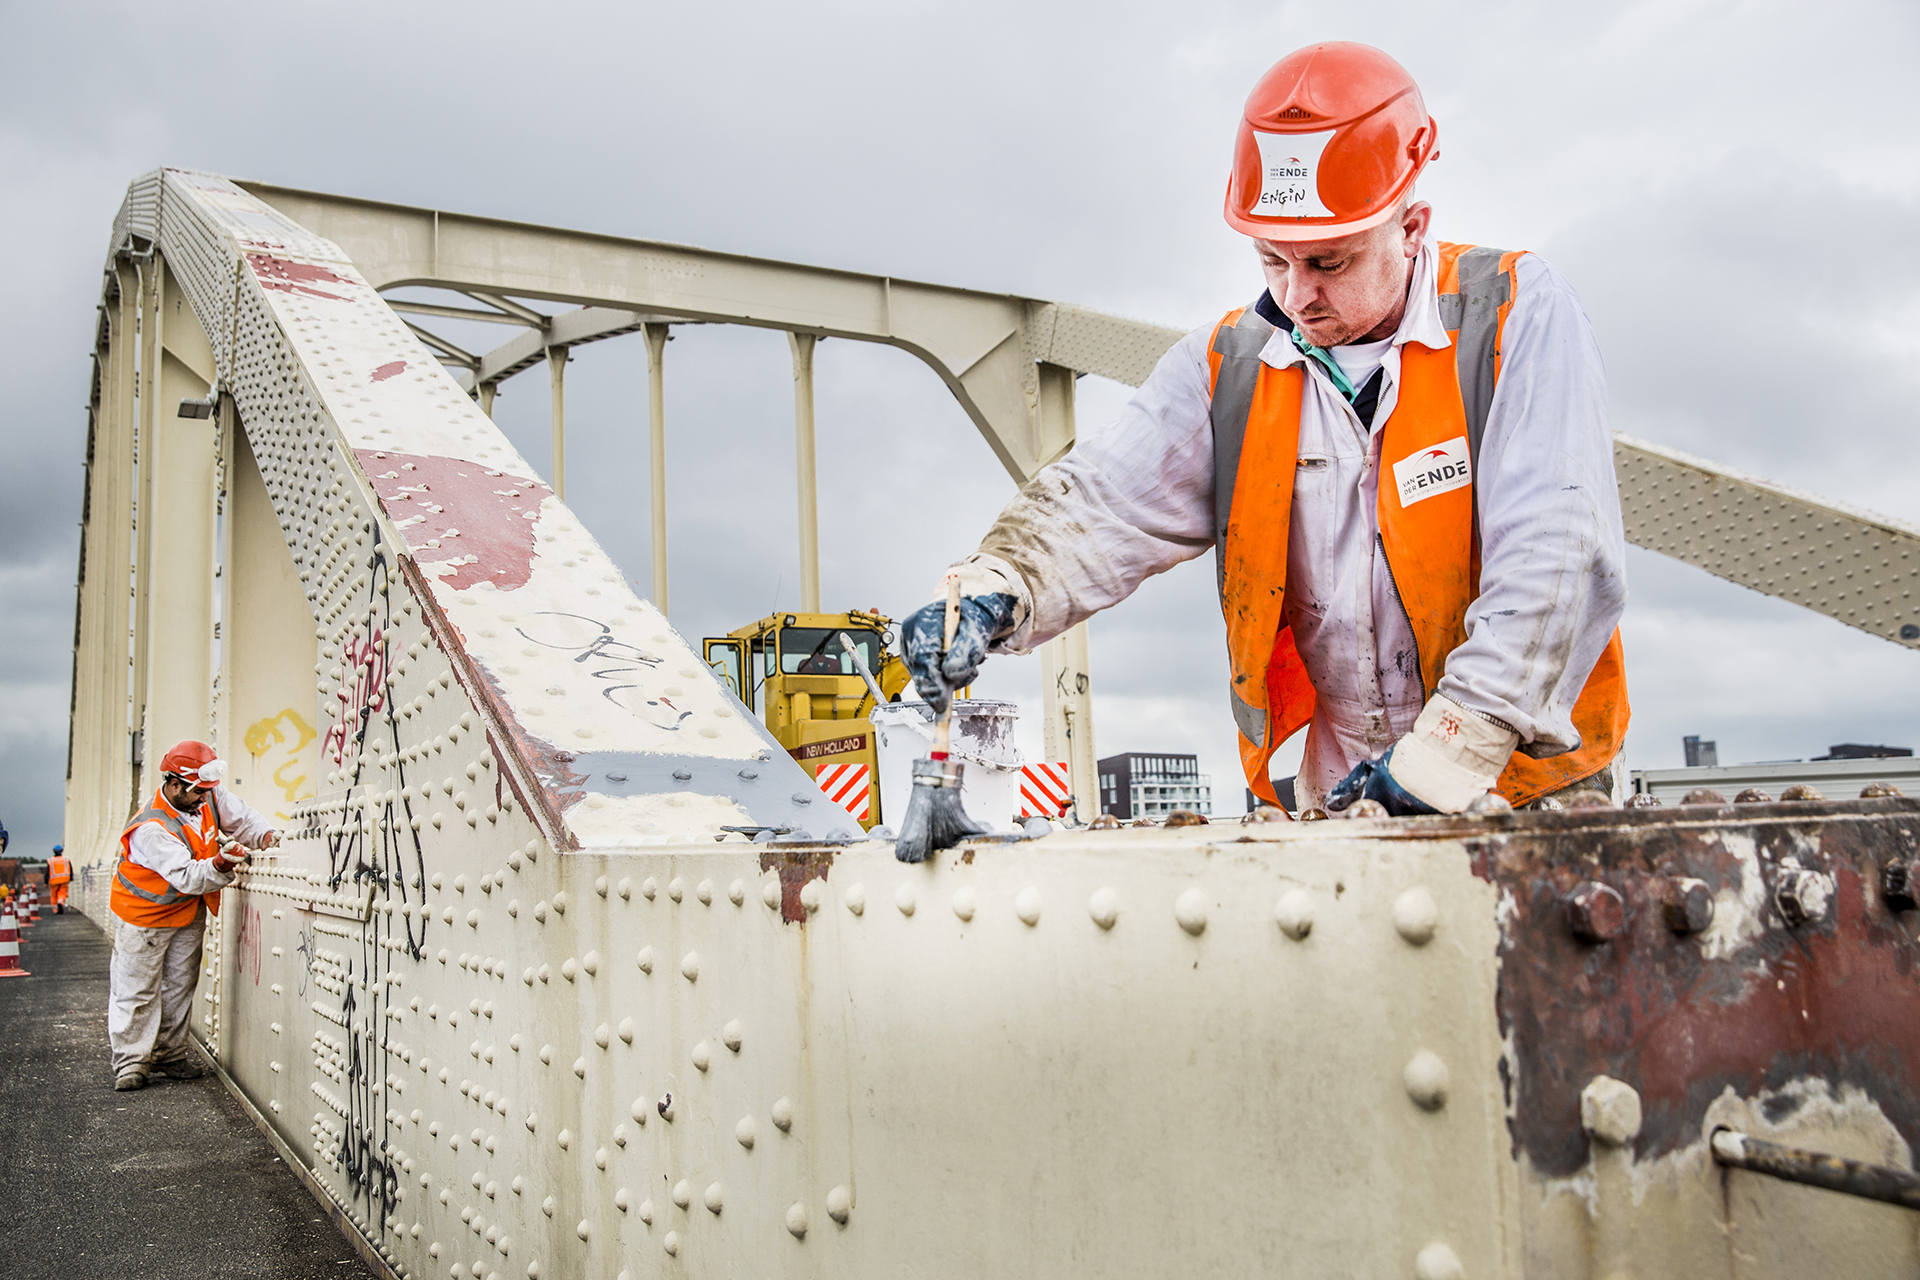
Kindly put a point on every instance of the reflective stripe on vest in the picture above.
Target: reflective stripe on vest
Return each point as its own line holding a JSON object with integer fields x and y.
{"x": 59, "y": 870}
{"x": 1431, "y": 552}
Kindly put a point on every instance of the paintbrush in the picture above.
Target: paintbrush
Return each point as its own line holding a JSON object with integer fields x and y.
{"x": 935, "y": 819}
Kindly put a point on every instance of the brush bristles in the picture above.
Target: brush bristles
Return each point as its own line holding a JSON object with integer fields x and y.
{"x": 935, "y": 819}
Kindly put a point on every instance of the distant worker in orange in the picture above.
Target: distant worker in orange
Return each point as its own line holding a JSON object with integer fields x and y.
{"x": 59, "y": 876}
{"x": 171, "y": 871}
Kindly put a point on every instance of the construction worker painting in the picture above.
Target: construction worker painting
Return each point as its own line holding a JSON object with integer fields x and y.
{"x": 175, "y": 857}
{"x": 59, "y": 877}
{"x": 1400, "y": 454}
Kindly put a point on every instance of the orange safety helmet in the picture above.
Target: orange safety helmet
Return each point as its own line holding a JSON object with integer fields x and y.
{"x": 195, "y": 762}
{"x": 1332, "y": 139}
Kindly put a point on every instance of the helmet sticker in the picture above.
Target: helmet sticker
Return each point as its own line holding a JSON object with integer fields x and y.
{"x": 1289, "y": 175}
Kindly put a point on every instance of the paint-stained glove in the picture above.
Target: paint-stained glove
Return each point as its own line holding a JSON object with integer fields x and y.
{"x": 983, "y": 619}
{"x": 1449, "y": 759}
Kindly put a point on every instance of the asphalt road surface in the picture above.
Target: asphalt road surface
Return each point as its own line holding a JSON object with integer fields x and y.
{"x": 173, "y": 1180}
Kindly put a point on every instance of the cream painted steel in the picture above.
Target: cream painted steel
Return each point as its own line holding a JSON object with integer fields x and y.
{"x": 557, "y": 384}
{"x": 1066, "y": 679}
{"x": 1853, "y": 566}
{"x": 520, "y": 1017}
{"x": 656, "y": 339}
{"x": 809, "y": 489}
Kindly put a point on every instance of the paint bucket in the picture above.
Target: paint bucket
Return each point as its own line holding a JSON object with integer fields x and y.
{"x": 982, "y": 740}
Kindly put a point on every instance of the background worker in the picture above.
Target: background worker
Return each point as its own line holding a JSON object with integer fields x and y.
{"x": 59, "y": 876}
{"x": 170, "y": 875}
{"x": 1401, "y": 455}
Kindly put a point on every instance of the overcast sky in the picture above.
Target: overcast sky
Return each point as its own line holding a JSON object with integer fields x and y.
{"x": 1732, "y": 188}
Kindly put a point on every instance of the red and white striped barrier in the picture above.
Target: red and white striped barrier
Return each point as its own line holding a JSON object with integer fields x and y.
{"x": 32, "y": 915}
{"x": 10, "y": 945}
{"x": 1045, "y": 790}
{"x": 848, "y": 785}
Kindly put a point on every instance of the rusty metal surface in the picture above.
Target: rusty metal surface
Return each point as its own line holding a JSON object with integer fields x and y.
{"x": 1755, "y": 1001}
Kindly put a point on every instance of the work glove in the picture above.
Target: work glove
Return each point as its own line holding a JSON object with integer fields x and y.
{"x": 983, "y": 619}
{"x": 1450, "y": 758}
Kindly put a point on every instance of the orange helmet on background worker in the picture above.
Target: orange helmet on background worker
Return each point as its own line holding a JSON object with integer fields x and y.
{"x": 195, "y": 762}
{"x": 1331, "y": 141}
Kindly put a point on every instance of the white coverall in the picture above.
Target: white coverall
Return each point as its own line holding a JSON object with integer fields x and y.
{"x": 154, "y": 973}
{"x": 1136, "y": 498}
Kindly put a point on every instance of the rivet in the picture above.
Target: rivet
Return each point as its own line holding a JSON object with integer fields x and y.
{"x": 1595, "y": 912}
{"x": 690, "y": 966}
{"x": 625, "y": 889}
{"x": 770, "y": 894}
{"x": 856, "y": 898}
{"x": 583, "y": 1230}
{"x": 737, "y": 892}
{"x": 797, "y": 1220}
{"x": 647, "y": 888}
{"x": 626, "y": 1030}
{"x": 1104, "y": 907}
{"x": 682, "y": 1193}
{"x": 580, "y": 1067}
{"x": 704, "y": 892}
{"x": 903, "y": 899}
{"x": 1687, "y": 904}
{"x": 547, "y": 1206}
{"x": 620, "y": 1199}
{"x": 546, "y": 1054}
{"x": 810, "y": 896}
{"x": 1415, "y": 917}
{"x": 1294, "y": 911}
{"x": 746, "y": 1132}
{"x": 560, "y": 902}
{"x": 568, "y": 969}
{"x": 713, "y": 1197}
{"x": 645, "y": 1211}
{"x": 665, "y": 1107}
{"x": 600, "y": 886}
{"x": 1190, "y": 909}
{"x": 600, "y": 1159}
{"x": 782, "y": 1114}
{"x": 565, "y": 1139}
{"x": 676, "y": 889}
{"x": 645, "y": 959}
{"x": 730, "y": 1035}
{"x": 590, "y": 962}
{"x": 1610, "y": 1111}
{"x": 1026, "y": 905}
{"x": 1426, "y": 1079}
{"x": 1437, "y": 1262}
{"x": 964, "y": 902}
{"x": 702, "y": 1056}
{"x": 671, "y": 1244}
{"x": 603, "y": 1035}
{"x": 839, "y": 1204}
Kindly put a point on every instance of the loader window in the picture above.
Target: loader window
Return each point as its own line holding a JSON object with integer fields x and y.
{"x": 728, "y": 662}
{"x": 817, "y": 651}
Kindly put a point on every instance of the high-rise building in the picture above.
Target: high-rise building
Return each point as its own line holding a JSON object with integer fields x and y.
{"x": 1150, "y": 784}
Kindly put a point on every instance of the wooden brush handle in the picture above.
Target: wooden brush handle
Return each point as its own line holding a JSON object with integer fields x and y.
{"x": 943, "y": 731}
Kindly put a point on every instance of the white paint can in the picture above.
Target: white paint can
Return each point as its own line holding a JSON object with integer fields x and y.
{"x": 982, "y": 740}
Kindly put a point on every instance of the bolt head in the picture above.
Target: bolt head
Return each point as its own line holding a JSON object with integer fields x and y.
{"x": 1687, "y": 905}
{"x": 1596, "y": 913}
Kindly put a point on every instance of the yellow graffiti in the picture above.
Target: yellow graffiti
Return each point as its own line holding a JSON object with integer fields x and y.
{"x": 280, "y": 739}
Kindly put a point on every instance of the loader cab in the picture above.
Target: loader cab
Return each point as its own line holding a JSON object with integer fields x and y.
{"x": 792, "y": 670}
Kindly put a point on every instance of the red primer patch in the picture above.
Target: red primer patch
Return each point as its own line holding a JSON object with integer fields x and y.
{"x": 469, "y": 509}
{"x": 391, "y": 369}
{"x": 287, "y": 276}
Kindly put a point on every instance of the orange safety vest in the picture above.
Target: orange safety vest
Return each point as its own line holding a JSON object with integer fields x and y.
{"x": 141, "y": 896}
{"x": 59, "y": 870}
{"x": 1432, "y": 547}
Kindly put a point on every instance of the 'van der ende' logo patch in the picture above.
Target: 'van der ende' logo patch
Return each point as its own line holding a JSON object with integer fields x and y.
{"x": 1440, "y": 468}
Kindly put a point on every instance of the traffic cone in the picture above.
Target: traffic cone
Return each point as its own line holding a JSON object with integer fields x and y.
{"x": 10, "y": 945}
{"x": 32, "y": 915}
